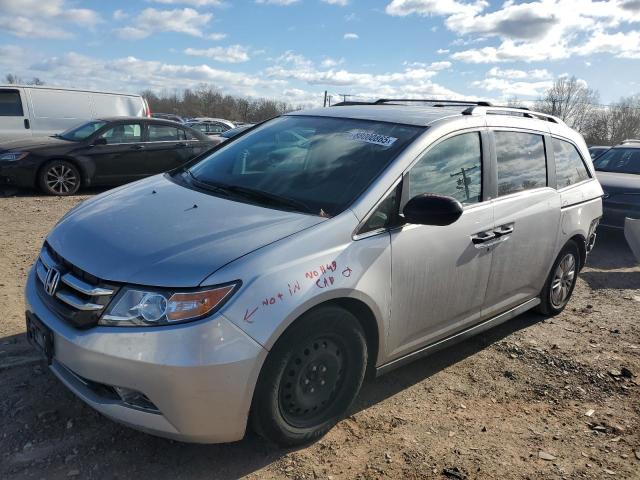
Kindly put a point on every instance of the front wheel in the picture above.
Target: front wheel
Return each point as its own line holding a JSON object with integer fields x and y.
{"x": 59, "y": 177}
{"x": 310, "y": 378}
{"x": 562, "y": 280}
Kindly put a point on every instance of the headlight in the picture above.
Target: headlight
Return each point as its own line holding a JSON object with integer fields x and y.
{"x": 13, "y": 156}
{"x": 146, "y": 307}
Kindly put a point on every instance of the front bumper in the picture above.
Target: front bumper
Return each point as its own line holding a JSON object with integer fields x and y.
{"x": 20, "y": 174}
{"x": 200, "y": 376}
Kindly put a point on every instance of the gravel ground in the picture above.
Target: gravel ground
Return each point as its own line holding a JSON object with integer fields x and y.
{"x": 533, "y": 398}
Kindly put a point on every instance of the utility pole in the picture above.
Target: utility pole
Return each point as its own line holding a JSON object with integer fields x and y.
{"x": 325, "y": 98}
{"x": 344, "y": 96}
{"x": 464, "y": 181}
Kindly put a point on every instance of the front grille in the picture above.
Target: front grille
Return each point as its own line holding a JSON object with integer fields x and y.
{"x": 75, "y": 295}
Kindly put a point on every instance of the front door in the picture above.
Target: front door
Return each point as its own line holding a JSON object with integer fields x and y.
{"x": 439, "y": 275}
{"x": 121, "y": 159}
{"x": 14, "y": 119}
{"x": 527, "y": 218}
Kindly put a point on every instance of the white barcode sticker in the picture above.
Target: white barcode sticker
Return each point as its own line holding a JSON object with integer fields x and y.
{"x": 371, "y": 137}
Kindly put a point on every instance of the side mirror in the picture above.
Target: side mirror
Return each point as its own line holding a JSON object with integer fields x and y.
{"x": 99, "y": 141}
{"x": 430, "y": 209}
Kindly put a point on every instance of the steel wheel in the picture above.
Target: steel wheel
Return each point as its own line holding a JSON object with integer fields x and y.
{"x": 61, "y": 179}
{"x": 563, "y": 279}
{"x": 313, "y": 377}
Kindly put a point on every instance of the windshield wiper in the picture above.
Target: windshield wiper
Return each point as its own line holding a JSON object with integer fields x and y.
{"x": 252, "y": 194}
{"x": 270, "y": 198}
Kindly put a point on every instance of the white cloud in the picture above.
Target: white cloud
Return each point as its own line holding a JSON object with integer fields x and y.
{"x": 119, "y": 15}
{"x": 231, "y": 54}
{"x": 277, "y": 2}
{"x": 351, "y": 36}
{"x": 519, "y": 83}
{"x": 331, "y": 62}
{"x": 622, "y": 45}
{"x": 216, "y": 36}
{"x": 193, "y": 3}
{"x": 538, "y": 74}
{"x": 341, "y": 3}
{"x": 50, "y": 19}
{"x": 434, "y": 66}
{"x": 151, "y": 20}
{"x": 434, "y": 7}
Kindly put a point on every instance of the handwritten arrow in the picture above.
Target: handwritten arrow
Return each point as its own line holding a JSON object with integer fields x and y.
{"x": 248, "y": 314}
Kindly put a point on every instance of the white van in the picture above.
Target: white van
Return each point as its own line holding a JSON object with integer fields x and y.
{"x": 27, "y": 110}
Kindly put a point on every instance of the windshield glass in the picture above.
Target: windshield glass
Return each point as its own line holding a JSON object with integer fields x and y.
{"x": 320, "y": 163}
{"x": 235, "y": 131}
{"x": 82, "y": 131}
{"x": 623, "y": 160}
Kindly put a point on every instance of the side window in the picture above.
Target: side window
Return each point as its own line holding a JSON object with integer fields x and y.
{"x": 522, "y": 163}
{"x": 452, "y": 168}
{"x": 10, "y": 104}
{"x": 215, "y": 128}
{"x": 187, "y": 135}
{"x": 163, "y": 133}
{"x": 570, "y": 168}
{"x": 382, "y": 215}
{"x": 123, "y": 133}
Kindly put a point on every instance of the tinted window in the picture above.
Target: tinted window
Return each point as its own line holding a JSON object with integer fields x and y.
{"x": 164, "y": 133}
{"x": 382, "y": 215}
{"x": 330, "y": 162}
{"x": 452, "y": 168}
{"x": 186, "y": 134}
{"x": 10, "y": 103}
{"x": 123, "y": 133}
{"x": 521, "y": 162}
{"x": 570, "y": 168}
{"x": 623, "y": 160}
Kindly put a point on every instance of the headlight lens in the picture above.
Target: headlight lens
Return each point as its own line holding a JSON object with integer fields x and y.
{"x": 135, "y": 306}
{"x": 13, "y": 156}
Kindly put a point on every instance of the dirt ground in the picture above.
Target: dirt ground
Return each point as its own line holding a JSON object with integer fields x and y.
{"x": 534, "y": 398}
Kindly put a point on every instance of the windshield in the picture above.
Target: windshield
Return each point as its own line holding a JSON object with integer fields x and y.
{"x": 235, "y": 131}
{"x": 622, "y": 160}
{"x": 80, "y": 132}
{"x": 320, "y": 163}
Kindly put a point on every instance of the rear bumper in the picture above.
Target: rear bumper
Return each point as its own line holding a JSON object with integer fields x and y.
{"x": 198, "y": 377}
{"x": 615, "y": 213}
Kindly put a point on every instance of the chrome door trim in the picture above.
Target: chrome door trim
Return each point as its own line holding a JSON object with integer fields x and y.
{"x": 457, "y": 337}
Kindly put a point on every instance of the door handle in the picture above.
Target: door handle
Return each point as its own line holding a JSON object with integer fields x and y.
{"x": 503, "y": 230}
{"x": 181, "y": 144}
{"x": 27, "y": 125}
{"x": 137, "y": 147}
{"x": 482, "y": 237}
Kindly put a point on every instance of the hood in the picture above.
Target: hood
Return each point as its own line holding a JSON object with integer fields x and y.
{"x": 619, "y": 181}
{"x": 157, "y": 233}
{"x": 31, "y": 143}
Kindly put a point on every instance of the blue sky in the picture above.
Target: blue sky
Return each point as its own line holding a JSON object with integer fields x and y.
{"x": 296, "y": 49}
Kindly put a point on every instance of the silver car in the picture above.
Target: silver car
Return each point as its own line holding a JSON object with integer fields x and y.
{"x": 260, "y": 283}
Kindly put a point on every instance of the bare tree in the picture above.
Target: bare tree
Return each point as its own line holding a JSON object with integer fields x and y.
{"x": 12, "y": 79}
{"x": 571, "y": 100}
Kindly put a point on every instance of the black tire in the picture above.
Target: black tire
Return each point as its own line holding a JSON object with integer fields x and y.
{"x": 550, "y": 305}
{"x": 310, "y": 378}
{"x": 59, "y": 177}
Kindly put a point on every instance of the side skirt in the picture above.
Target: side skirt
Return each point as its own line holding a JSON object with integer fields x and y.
{"x": 458, "y": 337}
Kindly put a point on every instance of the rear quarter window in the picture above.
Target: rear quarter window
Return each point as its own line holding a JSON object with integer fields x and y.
{"x": 522, "y": 162}
{"x": 10, "y": 103}
{"x": 570, "y": 168}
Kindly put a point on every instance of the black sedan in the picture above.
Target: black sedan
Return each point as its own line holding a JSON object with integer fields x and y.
{"x": 109, "y": 151}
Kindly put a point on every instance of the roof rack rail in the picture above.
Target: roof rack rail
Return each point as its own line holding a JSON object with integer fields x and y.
{"x": 630, "y": 140}
{"x": 515, "y": 111}
{"x": 349, "y": 103}
{"x": 481, "y": 103}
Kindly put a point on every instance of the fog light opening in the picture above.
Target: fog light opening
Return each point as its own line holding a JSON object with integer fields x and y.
{"x": 135, "y": 399}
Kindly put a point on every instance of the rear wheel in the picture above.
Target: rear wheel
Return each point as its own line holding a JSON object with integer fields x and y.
{"x": 59, "y": 177}
{"x": 562, "y": 280}
{"x": 310, "y": 378}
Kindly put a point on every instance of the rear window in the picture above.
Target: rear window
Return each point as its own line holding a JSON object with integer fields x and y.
{"x": 165, "y": 133}
{"x": 621, "y": 160}
{"x": 570, "y": 168}
{"x": 522, "y": 163}
{"x": 10, "y": 104}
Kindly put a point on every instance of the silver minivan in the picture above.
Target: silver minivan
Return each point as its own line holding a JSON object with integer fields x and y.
{"x": 261, "y": 282}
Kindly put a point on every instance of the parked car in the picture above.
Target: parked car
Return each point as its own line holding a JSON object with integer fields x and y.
{"x": 108, "y": 151}
{"x": 260, "y": 282}
{"x": 224, "y": 136}
{"x": 211, "y": 126}
{"x": 596, "y": 150}
{"x": 28, "y": 110}
{"x": 619, "y": 173}
{"x": 169, "y": 116}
